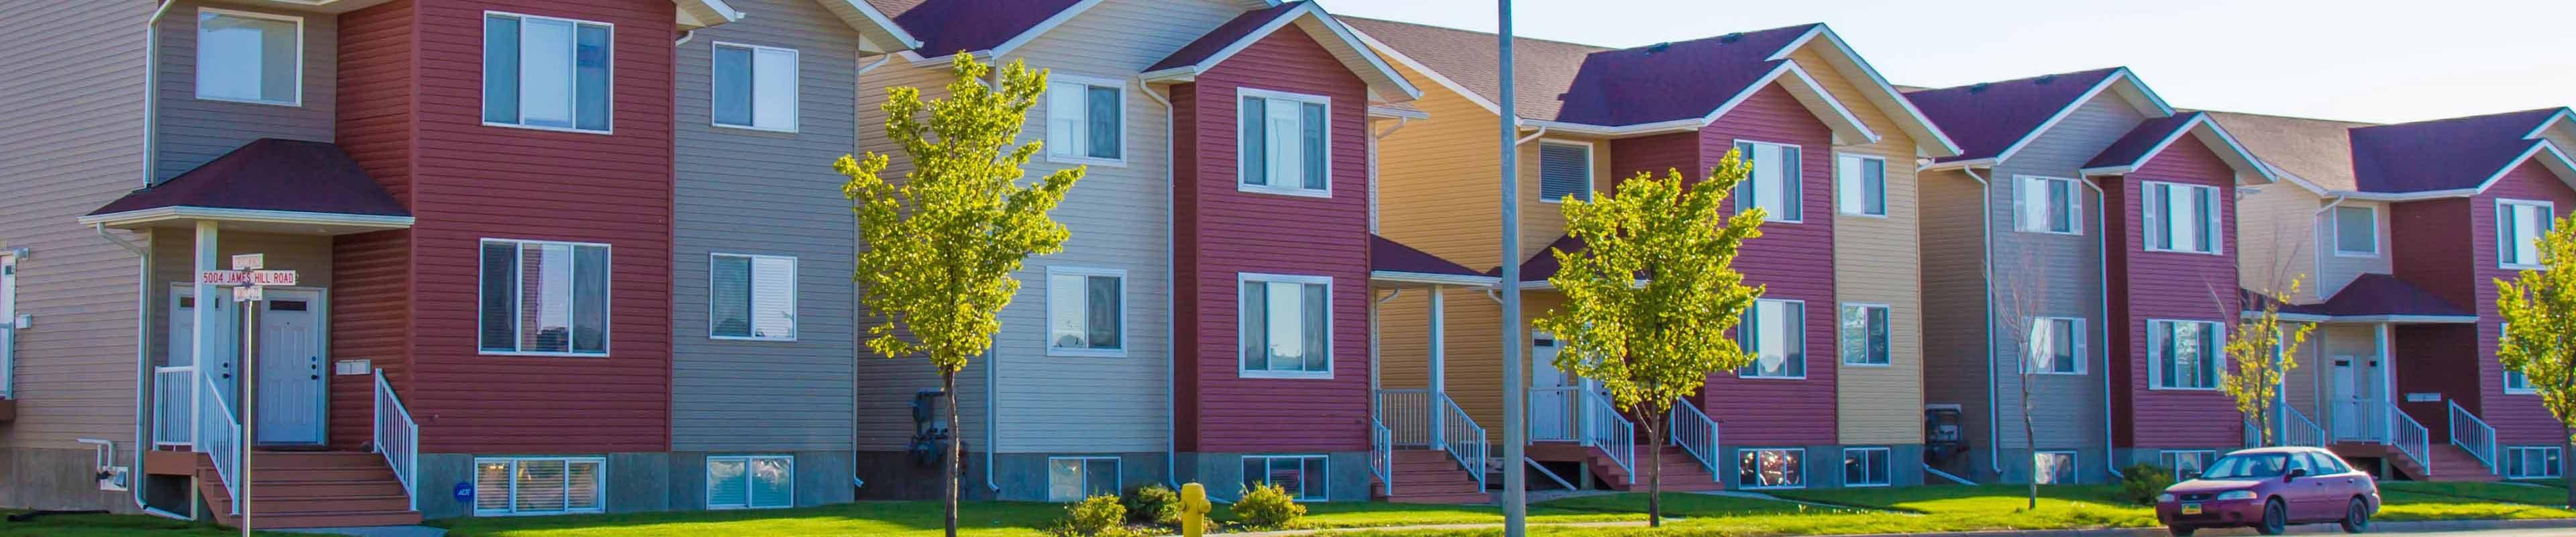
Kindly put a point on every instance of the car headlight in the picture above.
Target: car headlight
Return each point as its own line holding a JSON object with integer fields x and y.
{"x": 2166, "y": 497}
{"x": 2236, "y": 495}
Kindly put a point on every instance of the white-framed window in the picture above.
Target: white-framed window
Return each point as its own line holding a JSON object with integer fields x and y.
{"x": 1306, "y": 477}
{"x": 2519, "y": 226}
{"x": 1865, "y": 334}
{"x": 1866, "y": 467}
{"x": 2187, "y": 355}
{"x": 2056, "y": 346}
{"x": 2185, "y": 462}
{"x": 751, "y": 297}
{"x": 1286, "y": 143}
{"x": 1070, "y": 479}
{"x": 250, "y": 57}
{"x": 2182, "y": 218}
{"x": 1086, "y": 312}
{"x": 1086, "y": 120}
{"x": 2048, "y": 205}
{"x": 1287, "y": 325}
{"x": 538, "y": 485}
{"x": 1771, "y": 468}
{"x": 1775, "y": 332}
{"x": 1860, "y": 184}
{"x": 546, "y": 72}
{"x": 2356, "y": 231}
{"x": 2515, "y": 383}
{"x": 2531, "y": 462}
{"x": 1775, "y": 184}
{"x": 751, "y": 481}
{"x": 755, "y": 87}
{"x": 1564, "y": 171}
{"x": 543, "y": 298}
{"x": 2053, "y": 467}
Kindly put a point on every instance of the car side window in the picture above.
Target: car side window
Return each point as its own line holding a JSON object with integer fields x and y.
{"x": 2299, "y": 461}
{"x": 2328, "y": 464}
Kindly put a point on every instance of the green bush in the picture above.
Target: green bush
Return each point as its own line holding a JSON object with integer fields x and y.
{"x": 2141, "y": 483}
{"x": 1097, "y": 515}
{"x": 1153, "y": 504}
{"x": 1267, "y": 506}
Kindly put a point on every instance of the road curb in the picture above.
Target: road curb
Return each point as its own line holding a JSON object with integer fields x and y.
{"x": 2375, "y": 527}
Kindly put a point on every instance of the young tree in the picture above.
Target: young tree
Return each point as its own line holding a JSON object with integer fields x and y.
{"x": 2539, "y": 310}
{"x": 1651, "y": 297}
{"x": 939, "y": 246}
{"x": 2019, "y": 304}
{"x": 2261, "y": 351}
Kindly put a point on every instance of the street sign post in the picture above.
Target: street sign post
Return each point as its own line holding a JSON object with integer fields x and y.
{"x": 250, "y": 280}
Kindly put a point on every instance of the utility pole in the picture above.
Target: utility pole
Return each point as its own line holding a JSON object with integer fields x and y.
{"x": 1515, "y": 390}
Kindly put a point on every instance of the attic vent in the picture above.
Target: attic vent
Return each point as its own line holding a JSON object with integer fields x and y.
{"x": 1659, "y": 47}
{"x": 1979, "y": 88}
{"x": 2044, "y": 79}
{"x": 1730, "y": 38}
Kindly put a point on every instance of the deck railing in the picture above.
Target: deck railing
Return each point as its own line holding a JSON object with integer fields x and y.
{"x": 1604, "y": 428}
{"x": 2412, "y": 439}
{"x": 1695, "y": 433}
{"x": 2474, "y": 436}
{"x": 1407, "y": 414}
{"x": 8, "y": 357}
{"x": 1463, "y": 438}
{"x": 398, "y": 438}
{"x": 2302, "y": 431}
{"x": 219, "y": 436}
{"x": 174, "y": 393}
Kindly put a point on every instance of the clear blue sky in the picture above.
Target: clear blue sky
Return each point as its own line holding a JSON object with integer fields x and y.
{"x": 2359, "y": 60}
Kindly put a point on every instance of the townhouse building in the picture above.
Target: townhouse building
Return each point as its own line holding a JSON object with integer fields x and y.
{"x": 1833, "y": 148}
{"x": 2083, "y": 242}
{"x": 2401, "y": 231}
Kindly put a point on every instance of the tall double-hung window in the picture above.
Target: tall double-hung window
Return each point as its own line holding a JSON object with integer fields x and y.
{"x": 2047, "y": 205}
{"x": 755, "y": 87}
{"x": 1774, "y": 185}
{"x": 1564, "y": 171}
{"x": 752, "y": 297}
{"x": 1860, "y": 182}
{"x": 2182, "y": 218}
{"x": 2055, "y": 345}
{"x": 545, "y": 72}
{"x": 1286, "y": 143}
{"x": 1775, "y": 332}
{"x": 2187, "y": 354}
{"x": 1287, "y": 327}
{"x": 250, "y": 57}
{"x": 2519, "y": 226}
{"x": 1085, "y": 120}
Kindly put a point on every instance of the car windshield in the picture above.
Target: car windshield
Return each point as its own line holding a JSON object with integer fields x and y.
{"x": 2247, "y": 465}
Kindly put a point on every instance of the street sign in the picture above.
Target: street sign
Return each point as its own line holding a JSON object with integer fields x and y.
{"x": 247, "y": 277}
{"x": 249, "y": 293}
{"x": 250, "y": 261}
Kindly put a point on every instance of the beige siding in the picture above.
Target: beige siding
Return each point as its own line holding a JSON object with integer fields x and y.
{"x": 2335, "y": 270}
{"x": 2304, "y": 386}
{"x": 1954, "y": 298}
{"x": 2276, "y": 237}
{"x": 1878, "y": 260}
{"x": 173, "y": 261}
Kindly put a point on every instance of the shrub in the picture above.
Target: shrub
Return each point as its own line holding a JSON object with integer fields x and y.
{"x": 2141, "y": 483}
{"x": 1153, "y": 504}
{"x": 1267, "y": 506}
{"x": 1096, "y": 515}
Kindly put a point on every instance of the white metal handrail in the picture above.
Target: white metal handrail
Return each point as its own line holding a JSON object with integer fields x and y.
{"x": 398, "y": 438}
{"x": 8, "y": 358}
{"x": 1382, "y": 456}
{"x": 1463, "y": 438}
{"x": 2473, "y": 435}
{"x": 174, "y": 391}
{"x": 2412, "y": 439}
{"x": 1695, "y": 433}
{"x": 2302, "y": 431}
{"x": 1604, "y": 428}
{"x": 1407, "y": 414}
{"x": 219, "y": 436}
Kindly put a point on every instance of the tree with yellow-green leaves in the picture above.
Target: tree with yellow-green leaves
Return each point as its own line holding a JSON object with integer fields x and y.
{"x": 1652, "y": 297}
{"x": 2539, "y": 310}
{"x": 938, "y": 246}
{"x": 2263, "y": 350}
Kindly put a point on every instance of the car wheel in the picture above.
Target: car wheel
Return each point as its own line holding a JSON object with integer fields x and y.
{"x": 2276, "y": 518}
{"x": 2356, "y": 518}
{"x": 2181, "y": 531}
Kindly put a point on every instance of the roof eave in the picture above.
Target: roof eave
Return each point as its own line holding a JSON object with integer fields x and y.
{"x": 1427, "y": 278}
{"x": 147, "y": 217}
{"x": 1381, "y": 77}
{"x": 1929, "y": 138}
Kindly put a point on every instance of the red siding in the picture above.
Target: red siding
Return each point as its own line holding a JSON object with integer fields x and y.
{"x": 2169, "y": 286}
{"x": 1223, "y": 232}
{"x": 1655, "y": 155}
{"x": 1796, "y": 262}
{"x": 2426, "y": 235}
{"x": 2518, "y": 419}
{"x": 371, "y": 293}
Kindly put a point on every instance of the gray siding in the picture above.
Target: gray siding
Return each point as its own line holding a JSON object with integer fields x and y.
{"x": 743, "y": 191}
{"x": 194, "y": 131}
{"x": 2062, "y": 275}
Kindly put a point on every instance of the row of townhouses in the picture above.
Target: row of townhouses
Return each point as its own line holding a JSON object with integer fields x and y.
{"x": 589, "y": 256}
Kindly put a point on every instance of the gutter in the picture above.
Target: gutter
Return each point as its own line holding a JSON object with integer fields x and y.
{"x": 992, "y": 367}
{"x": 2102, "y": 267}
{"x": 1171, "y": 330}
{"x": 143, "y": 376}
{"x": 1994, "y": 429}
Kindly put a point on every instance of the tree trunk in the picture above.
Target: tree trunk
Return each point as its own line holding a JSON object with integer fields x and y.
{"x": 2029, "y": 441}
{"x": 2567, "y": 465}
{"x": 1655, "y": 481}
{"x": 956, "y": 448}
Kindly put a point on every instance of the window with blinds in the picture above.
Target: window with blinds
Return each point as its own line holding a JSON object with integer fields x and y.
{"x": 546, "y": 73}
{"x": 1084, "y": 120}
{"x": 537, "y": 485}
{"x": 1287, "y": 326}
{"x": 1285, "y": 143}
{"x": 2519, "y": 226}
{"x": 751, "y": 481}
{"x": 2055, "y": 346}
{"x": 2186, "y": 354}
{"x": 2181, "y": 218}
{"x": 1564, "y": 171}
{"x": 752, "y": 297}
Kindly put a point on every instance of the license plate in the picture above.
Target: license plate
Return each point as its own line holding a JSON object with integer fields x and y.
{"x": 2191, "y": 509}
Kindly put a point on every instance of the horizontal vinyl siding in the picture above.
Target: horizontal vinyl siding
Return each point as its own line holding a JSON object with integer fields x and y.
{"x": 1877, "y": 260}
{"x": 2437, "y": 358}
{"x": 885, "y": 385}
{"x": 1955, "y": 317}
{"x": 2334, "y": 271}
{"x": 2518, "y": 419}
{"x": 2172, "y": 286}
{"x": 194, "y": 131}
{"x": 1432, "y": 175}
{"x": 1792, "y": 261}
{"x": 2055, "y": 276}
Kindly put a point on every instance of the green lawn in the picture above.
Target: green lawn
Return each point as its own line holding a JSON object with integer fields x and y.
{"x": 116, "y": 526}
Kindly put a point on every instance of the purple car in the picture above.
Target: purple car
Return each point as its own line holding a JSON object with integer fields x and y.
{"x": 2270, "y": 489}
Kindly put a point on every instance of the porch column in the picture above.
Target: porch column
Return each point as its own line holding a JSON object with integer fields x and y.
{"x": 207, "y": 340}
{"x": 2388, "y": 394}
{"x": 1439, "y": 383}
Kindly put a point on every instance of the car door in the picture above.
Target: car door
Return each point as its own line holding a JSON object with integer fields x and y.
{"x": 2322, "y": 489}
{"x": 2299, "y": 494}
{"x": 2342, "y": 481}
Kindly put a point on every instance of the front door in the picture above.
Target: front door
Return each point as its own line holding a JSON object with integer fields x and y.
{"x": 1551, "y": 400}
{"x": 2357, "y": 408}
{"x": 291, "y": 363}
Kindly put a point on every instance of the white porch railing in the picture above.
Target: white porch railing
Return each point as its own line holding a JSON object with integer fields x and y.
{"x": 2302, "y": 431}
{"x": 398, "y": 438}
{"x": 1406, "y": 413}
{"x": 1463, "y": 438}
{"x": 1382, "y": 456}
{"x": 8, "y": 357}
{"x": 219, "y": 436}
{"x": 1604, "y": 428}
{"x": 174, "y": 391}
{"x": 2412, "y": 439}
{"x": 1695, "y": 433}
{"x": 2473, "y": 435}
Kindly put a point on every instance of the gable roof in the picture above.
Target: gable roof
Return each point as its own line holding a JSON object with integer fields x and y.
{"x": 2315, "y": 154}
{"x": 1992, "y": 120}
{"x": 1671, "y": 81}
{"x": 944, "y": 27}
{"x": 1468, "y": 63}
{"x": 292, "y": 179}
{"x": 2406, "y": 161}
{"x": 1393, "y": 261}
{"x": 1225, "y": 40}
{"x": 2152, "y": 136}
{"x": 864, "y": 17}
{"x": 2379, "y": 297}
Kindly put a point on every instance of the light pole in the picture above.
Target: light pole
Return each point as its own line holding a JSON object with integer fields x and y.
{"x": 1515, "y": 411}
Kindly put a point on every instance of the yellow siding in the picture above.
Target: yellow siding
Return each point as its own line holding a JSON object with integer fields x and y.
{"x": 1878, "y": 260}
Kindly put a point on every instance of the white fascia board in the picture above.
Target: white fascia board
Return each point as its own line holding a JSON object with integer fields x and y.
{"x": 1913, "y": 116}
{"x": 1443, "y": 80}
{"x": 1386, "y": 74}
{"x": 876, "y": 18}
{"x": 157, "y": 214}
{"x": 1432, "y": 279}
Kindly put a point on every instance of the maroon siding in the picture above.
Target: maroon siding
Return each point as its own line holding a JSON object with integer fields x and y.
{"x": 1223, "y": 232}
{"x": 2518, "y": 419}
{"x": 2436, "y": 358}
{"x": 1796, "y": 262}
{"x": 1656, "y": 155}
{"x": 2169, "y": 286}
{"x": 371, "y": 291}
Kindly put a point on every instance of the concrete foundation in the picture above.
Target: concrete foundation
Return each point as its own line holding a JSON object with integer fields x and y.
{"x": 59, "y": 479}
{"x": 1222, "y": 473}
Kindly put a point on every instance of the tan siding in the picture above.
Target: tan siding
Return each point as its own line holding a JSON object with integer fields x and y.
{"x": 1954, "y": 297}
{"x": 2276, "y": 239}
{"x": 1878, "y": 260}
{"x": 2334, "y": 270}
{"x": 1423, "y": 173}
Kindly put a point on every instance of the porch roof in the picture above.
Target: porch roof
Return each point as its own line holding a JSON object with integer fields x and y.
{"x": 1393, "y": 262}
{"x": 2381, "y": 298}
{"x": 296, "y": 185}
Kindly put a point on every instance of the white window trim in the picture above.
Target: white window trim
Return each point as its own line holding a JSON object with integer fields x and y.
{"x": 1241, "y": 179}
{"x": 2335, "y": 224}
{"x": 1591, "y": 167}
{"x": 1803, "y": 345}
{"x": 1302, "y": 493}
{"x": 2504, "y": 467}
{"x": 1884, "y": 185}
{"x": 1801, "y": 179}
{"x": 2209, "y": 456}
{"x": 2499, "y": 220}
{"x": 2074, "y": 460}
{"x": 608, "y": 299}
{"x": 1331, "y": 347}
{"x": 1046, "y": 338}
{"x": 2218, "y": 248}
{"x": 1085, "y": 473}
{"x": 1803, "y": 478}
{"x": 1891, "y": 333}
{"x": 2083, "y": 346}
{"x": 601, "y": 488}
{"x": 2074, "y": 203}
{"x": 796, "y": 113}
{"x": 1885, "y": 455}
{"x": 485, "y": 40}
{"x": 709, "y": 498}
{"x": 298, "y": 100}
{"x": 2155, "y": 362}
{"x": 1125, "y": 100}
{"x": 794, "y": 311}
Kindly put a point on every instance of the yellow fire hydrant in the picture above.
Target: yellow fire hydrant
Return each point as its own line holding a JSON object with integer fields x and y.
{"x": 1194, "y": 510}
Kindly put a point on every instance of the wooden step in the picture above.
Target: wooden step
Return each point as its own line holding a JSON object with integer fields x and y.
{"x": 317, "y": 489}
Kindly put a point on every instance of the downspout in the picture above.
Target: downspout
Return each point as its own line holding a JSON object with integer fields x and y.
{"x": 1994, "y": 416}
{"x": 1533, "y": 135}
{"x": 2102, "y": 268}
{"x": 855, "y": 82}
{"x": 1171, "y": 330}
{"x": 992, "y": 367}
{"x": 143, "y": 377}
{"x": 152, "y": 97}
{"x": 685, "y": 37}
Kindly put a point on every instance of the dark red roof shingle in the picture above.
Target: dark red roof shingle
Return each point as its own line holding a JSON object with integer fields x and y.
{"x": 2141, "y": 141}
{"x": 1224, "y": 35}
{"x": 1386, "y": 255}
{"x": 1987, "y": 118}
{"x": 2443, "y": 154}
{"x": 270, "y": 174}
{"x": 949, "y": 26}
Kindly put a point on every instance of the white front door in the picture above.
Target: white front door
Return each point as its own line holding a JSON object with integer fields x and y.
{"x": 291, "y": 368}
{"x": 183, "y": 333}
{"x": 1551, "y": 400}
{"x": 2356, "y": 399}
